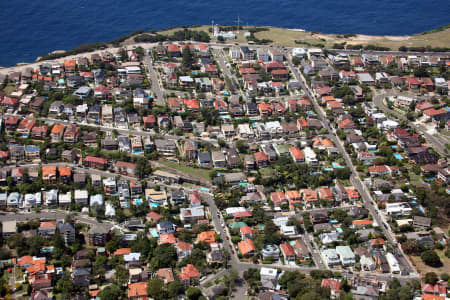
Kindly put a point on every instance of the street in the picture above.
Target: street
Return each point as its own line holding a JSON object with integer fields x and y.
{"x": 356, "y": 181}
{"x": 438, "y": 145}
{"x": 159, "y": 96}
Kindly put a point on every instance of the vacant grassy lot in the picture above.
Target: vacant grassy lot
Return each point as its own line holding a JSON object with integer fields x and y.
{"x": 195, "y": 172}
{"x": 423, "y": 268}
{"x": 287, "y": 37}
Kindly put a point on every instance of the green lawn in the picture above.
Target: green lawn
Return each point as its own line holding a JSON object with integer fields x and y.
{"x": 9, "y": 89}
{"x": 414, "y": 178}
{"x": 267, "y": 172}
{"x": 196, "y": 172}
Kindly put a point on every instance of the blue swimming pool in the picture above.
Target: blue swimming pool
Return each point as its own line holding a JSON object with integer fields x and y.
{"x": 154, "y": 233}
{"x": 154, "y": 205}
{"x": 398, "y": 156}
{"x": 337, "y": 166}
{"x": 138, "y": 201}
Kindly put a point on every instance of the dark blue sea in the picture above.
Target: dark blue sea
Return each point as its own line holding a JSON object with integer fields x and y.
{"x": 30, "y": 28}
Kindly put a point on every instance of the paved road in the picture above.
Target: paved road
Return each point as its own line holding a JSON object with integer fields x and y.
{"x": 159, "y": 95}
{"x": 438, "y": 144}
{"x": 122, "y": 131}
{"x": 76, "y": 168}
{"x": 356, "y": 181}
{"x": 55, "y": 215}
{"x": 218, "y": 53}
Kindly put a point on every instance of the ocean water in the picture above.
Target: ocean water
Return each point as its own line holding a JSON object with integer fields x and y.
{"x": 32, "y": 28}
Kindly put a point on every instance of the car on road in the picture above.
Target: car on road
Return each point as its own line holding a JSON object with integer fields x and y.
{"x": 232, "y": 251}
{"x": 228, "y": 238}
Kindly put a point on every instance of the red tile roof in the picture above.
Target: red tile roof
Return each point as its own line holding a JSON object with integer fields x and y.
{"x": 332, "y": 284}
{"x": 137, "y": 290}
{"x": 246, "y": 246}
{"x": 287, "y": 249}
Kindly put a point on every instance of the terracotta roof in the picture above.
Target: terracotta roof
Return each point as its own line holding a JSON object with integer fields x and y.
{"x": 167, "y": 239}
{"x": 189, "y": 272}
{"x": 246, "y": 230}
{"x": 191, "y": 103}
{"x": 48, "y": 170}
{"x": 352, "y": 193}
{"x": 309, "y": 195}
{"x": 25, "y": 260}
{"x": 57, "y": 128}
{"x": 433, "y": 289}
{"x": 347, "y": 123}
{"x": 432, "y": 297}
{"x": 287, "y": 249}
{"x": 325, "y": 193}
{"x": 166, "y": 274}
{"x": 261, "y": 156}
{"x": 194, "y": 197}
{"x": 378, "y": 169}
{"x": 122, "y": 251}
{"x": 293, "y": 194}
{"x": 277, "y": 197}
{"x": 362, "y": 222}
{"x": 149, "y": 119}
{"x": 434, "y": 112}
{"x": 64, "y": 171}
{"x": 125, "y": 164}
{"x": 47, "y": 224}
{"x": 296, "y": 153}
{"x": 243, "y": 214}
{"x": 173, "y": 48}
{"x": 246, "y": 246}
{"x": 207, "y": 236}
{"x": 332, "y": 284}
{"x": 69, "y": 62}
{"x": 94, "y": 159}
{"x": 184, "y": 246}
{"x": 138, "y": 289}
{"x": 377, "y": 242}
{"x": 154, "y": 216}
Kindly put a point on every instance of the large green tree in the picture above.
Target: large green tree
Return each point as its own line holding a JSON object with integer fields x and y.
{"x": 156, "y": 289}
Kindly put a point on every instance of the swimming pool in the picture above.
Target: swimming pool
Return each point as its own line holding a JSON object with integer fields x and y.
{"x": 398, "y": 156}
{"x": 154, "y": 205}
{"x": 337, "y": 166}
{"x": 154, "y": 233}
{"x": 138, "y": 201}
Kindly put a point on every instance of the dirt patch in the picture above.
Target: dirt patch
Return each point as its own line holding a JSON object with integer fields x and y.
{"x": 423, "y": 268}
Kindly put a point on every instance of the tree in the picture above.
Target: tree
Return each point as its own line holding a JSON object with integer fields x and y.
{"x": 35, "y": 244}
{"x": 431, "y": 278}
{"x": 193, "y": 293}
{"x": 155, "y": 288}
{"x": 110, "y": 292}
{"x": 411, "y": 247}
{"x": 241, "y": 146}
{"x": 58, "y": 245}
{"x": 187, "y": 58}
{"x": 174, "y": 289}
{"x": 222, "y": 143}
{"x": 121, "y": 275}
{"x": 143, "y": 168}
{"x": 431, "y": 258}
{"x": 66, "y": 286}
{"x": 164, "y": 256}
{"x": 296, "y": 60}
